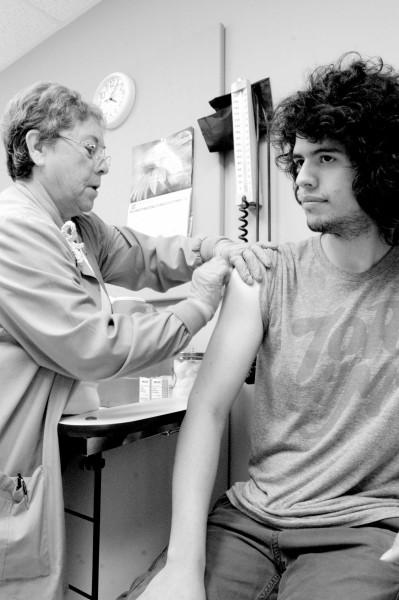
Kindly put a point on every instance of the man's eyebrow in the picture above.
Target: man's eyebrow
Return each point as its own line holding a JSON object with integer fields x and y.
{"x": 320, "y": 150}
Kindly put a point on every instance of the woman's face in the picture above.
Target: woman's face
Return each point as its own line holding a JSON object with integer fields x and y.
{"x": 69, "y": 174}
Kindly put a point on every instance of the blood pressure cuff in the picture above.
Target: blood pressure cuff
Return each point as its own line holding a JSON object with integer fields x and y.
{"x": 217, "y": 128}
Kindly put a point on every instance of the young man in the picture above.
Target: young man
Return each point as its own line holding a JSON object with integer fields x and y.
{"x": 319, "y": 515}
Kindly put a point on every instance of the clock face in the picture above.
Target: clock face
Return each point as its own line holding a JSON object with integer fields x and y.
{"x": 115, "y": 97}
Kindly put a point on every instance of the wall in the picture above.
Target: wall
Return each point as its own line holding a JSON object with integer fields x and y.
{"x": 264, "y": 38}
{"x": 281, "y": 40}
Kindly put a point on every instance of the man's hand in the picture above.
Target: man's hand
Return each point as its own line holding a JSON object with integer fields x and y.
{"x": 392, "y": 555}
{"x": 248, "y": 259}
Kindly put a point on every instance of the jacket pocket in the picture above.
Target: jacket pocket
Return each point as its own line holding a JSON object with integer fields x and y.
{"x": 24, "y": 552}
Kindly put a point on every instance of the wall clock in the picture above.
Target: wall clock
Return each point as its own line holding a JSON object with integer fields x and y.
{"x": 115, "y": 97}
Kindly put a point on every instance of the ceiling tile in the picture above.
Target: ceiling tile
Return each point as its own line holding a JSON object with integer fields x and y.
{"x": 63, "y": 11}
{"x": 27, "y": 23}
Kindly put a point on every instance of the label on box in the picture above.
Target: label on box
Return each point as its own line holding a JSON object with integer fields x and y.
{"x": 145, "y": 389}
{"x": 156, "y": 388}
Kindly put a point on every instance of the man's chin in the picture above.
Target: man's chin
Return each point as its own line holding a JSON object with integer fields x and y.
{"x": 349, "y": 228}
{"x": 317, "y": 226}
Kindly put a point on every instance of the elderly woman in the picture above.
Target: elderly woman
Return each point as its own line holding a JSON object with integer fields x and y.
{"x": 57, "y": 327}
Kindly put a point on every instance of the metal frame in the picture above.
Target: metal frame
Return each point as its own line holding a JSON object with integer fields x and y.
{"x": 92, "y": 463}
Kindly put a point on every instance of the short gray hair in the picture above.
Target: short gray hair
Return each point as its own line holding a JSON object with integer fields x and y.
{"x": 47, "y": 107}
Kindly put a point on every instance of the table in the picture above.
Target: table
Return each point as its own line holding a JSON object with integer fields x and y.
{"x": 89, "y": 434}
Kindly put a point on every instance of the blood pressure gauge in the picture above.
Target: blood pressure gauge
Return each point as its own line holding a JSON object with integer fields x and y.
{"x": 245, "y": 143}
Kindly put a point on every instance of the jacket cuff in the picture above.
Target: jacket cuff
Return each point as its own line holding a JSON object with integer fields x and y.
{"x": 194, "y": 314}
{"x": 208, "y": 244}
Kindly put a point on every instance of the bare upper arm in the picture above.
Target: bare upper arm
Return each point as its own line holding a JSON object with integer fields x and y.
{"x": 232, "y": 348}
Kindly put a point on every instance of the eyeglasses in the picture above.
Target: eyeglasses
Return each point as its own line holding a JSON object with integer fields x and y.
{"x": 95, "y": 151}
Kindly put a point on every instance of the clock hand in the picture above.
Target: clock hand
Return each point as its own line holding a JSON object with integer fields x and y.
{"x": 113, "y": 91}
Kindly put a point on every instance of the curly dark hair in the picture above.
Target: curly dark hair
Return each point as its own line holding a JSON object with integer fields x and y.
{"x": 356, "y": 103}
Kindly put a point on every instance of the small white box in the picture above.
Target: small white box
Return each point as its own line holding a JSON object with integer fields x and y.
{"x": 145, "y": 389}
{"x": 161, "y": 387}
{"x": 156, "y": 388}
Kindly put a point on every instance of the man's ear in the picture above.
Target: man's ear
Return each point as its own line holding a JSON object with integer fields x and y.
{"x": 35, "y": 146}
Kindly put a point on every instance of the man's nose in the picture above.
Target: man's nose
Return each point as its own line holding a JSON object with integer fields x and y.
{"x": 306, "y": 176}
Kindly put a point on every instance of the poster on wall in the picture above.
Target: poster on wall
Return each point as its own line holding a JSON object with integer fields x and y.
{"x": 161, "y": 186}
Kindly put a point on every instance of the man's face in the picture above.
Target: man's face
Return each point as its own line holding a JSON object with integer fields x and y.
{"x": 324, "y": 179}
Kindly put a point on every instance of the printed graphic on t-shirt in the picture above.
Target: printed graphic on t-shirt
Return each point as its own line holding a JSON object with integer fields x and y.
{"x": 353, "y": 356}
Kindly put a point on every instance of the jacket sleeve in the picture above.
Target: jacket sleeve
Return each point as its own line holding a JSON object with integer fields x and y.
{"x": 133, "y": 260}
{"x": 45, "y": 309}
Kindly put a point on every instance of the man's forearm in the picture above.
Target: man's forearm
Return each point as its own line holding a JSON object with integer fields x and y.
{"x": 194, "y": 475}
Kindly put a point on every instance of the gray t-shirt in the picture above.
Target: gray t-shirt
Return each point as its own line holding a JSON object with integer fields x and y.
{"x": 325, "y": 435}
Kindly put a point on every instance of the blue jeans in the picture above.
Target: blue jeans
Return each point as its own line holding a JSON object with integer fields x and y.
{"x": 247, "y": 560}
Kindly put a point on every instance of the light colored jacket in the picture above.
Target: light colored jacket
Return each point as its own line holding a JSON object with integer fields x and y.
{"x": 53, "y": 333}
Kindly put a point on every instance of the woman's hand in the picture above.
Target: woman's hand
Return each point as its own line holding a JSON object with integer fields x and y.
{"x": 249, "y": 259}
{"x": 208, "y": 282}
